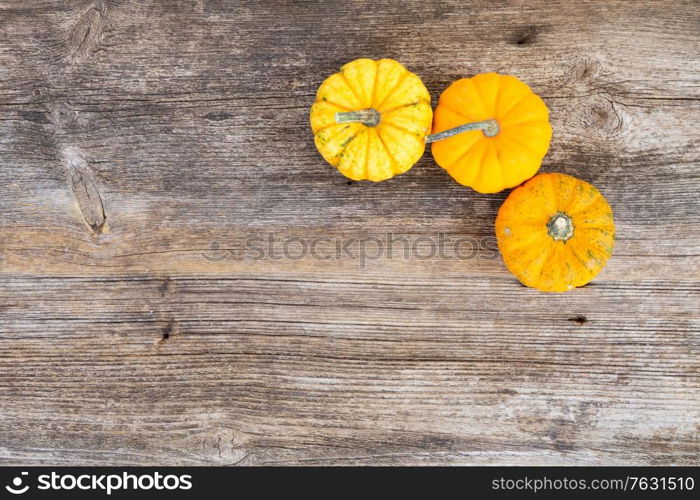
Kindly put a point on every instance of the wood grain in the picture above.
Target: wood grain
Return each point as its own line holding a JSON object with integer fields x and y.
{"x": 144, "y": 145}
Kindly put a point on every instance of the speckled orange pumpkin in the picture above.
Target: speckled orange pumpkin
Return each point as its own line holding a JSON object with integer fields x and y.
{"x": 490, "y": 132}
{"x": 370, "y": 119}
{"x": 555, "y": 232}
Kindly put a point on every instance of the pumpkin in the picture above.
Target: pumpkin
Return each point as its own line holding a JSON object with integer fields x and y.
{"x": 370, "y": 120}
{"x": 490, "y": 132}
{"x": 555, "y": 232}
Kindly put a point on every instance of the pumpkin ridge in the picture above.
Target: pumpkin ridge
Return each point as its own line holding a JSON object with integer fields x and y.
{"x": 526, "y": 222}
{"x": 581, "y": 261}
{"x": 528, "y": 122}
{"x": 365, "y": 171}
{"x": 503, "y": 168}
{"x": 346, "y": 143}
{"x": 570, "y": 277}
{"x": 393, "y": 89}
{"x": 599, "y": 251}
{"x": 552, "y": 191}
{"x": 503, "y": 114}
{"x": 476, "y": 91}
{"x": 352, "y": 88}
{"x": 481, "y": 171}
{"x": 598, "y": 199}
{"x": 476, "y": 140}
{"x": 444, "y": 101}
{"x": 556, "y": 269}
{"x": 321, "y": 129}
{"x": 374, "y": 86}
{"x": 461, "y": 157}
{"x": 521, "y": 143}
{"x": 597, "y": 229}
{"x": 497, "y": 98}
{"x": 328, "y": 139}
{"x": 460, "y": 113}
{"x": 332, "y": 103}
{"x": 493, "y": 147}
{"x": 579, "y": 214}
{"x": 512, "y": 115}
{"x": 404, "y": 106}
{"x": 398, "y": 127}
{"x": 346, "y": 169}
{"x": 546, "y": 255}
{"x": 514, "y": 120}
{"x": 326, "y": 151}
{"x": 496, "y": 95}
{"x": 576, "y": 256}
{"x": 514, "y": 247}
{"x": 565, "y": 206}
{"x": 339, "y": 89}
{"x": 394, "y": 164}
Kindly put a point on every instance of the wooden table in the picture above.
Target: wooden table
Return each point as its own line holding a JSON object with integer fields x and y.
{"x": 149, "y": 150}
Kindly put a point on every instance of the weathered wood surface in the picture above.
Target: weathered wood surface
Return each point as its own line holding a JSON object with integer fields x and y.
{"x": 139, "y": 137}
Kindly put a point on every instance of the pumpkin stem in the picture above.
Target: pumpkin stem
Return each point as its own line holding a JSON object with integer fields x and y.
{"x": 369, "y": 117}
{"x": 560, "y": 227}
{"x": 489, "y": 127}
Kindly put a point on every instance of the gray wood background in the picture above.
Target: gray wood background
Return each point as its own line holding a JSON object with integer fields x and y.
{"x": 142, "y": 143}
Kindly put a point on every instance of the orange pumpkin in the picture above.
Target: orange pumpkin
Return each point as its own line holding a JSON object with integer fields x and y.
{"x": 555, "y": 232}
{"x": 490, "y": 132}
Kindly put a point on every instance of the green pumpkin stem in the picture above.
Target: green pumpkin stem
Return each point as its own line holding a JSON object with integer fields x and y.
{"x": 560, "y": 227}
{"x": 369, "y": 117}
{"x": 490, "y": 128}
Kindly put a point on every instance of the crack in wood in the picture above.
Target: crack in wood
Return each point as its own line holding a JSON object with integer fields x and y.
{"x": 579, "y": 319}
{"x": 167, "y": 330}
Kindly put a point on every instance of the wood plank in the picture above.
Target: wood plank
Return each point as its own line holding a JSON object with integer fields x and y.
{"x": 300, "y": 371}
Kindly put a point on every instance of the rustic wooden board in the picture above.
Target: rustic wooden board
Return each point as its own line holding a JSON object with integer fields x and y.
{"x": 142, "y": 143}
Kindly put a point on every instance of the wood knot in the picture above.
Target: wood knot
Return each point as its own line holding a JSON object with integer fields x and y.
{"x": 525, "y": 36}
{"x": 586, "y": 69}
{"x": 86, "y": 34}
{"x": 584, "y": 76}
{"x": 225, "y": 447}
{"x": 599, "y": 116}
{"x": 82, "y": 184}
{"x": 63, "y": 116}
{"x": 166, "y": 287}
